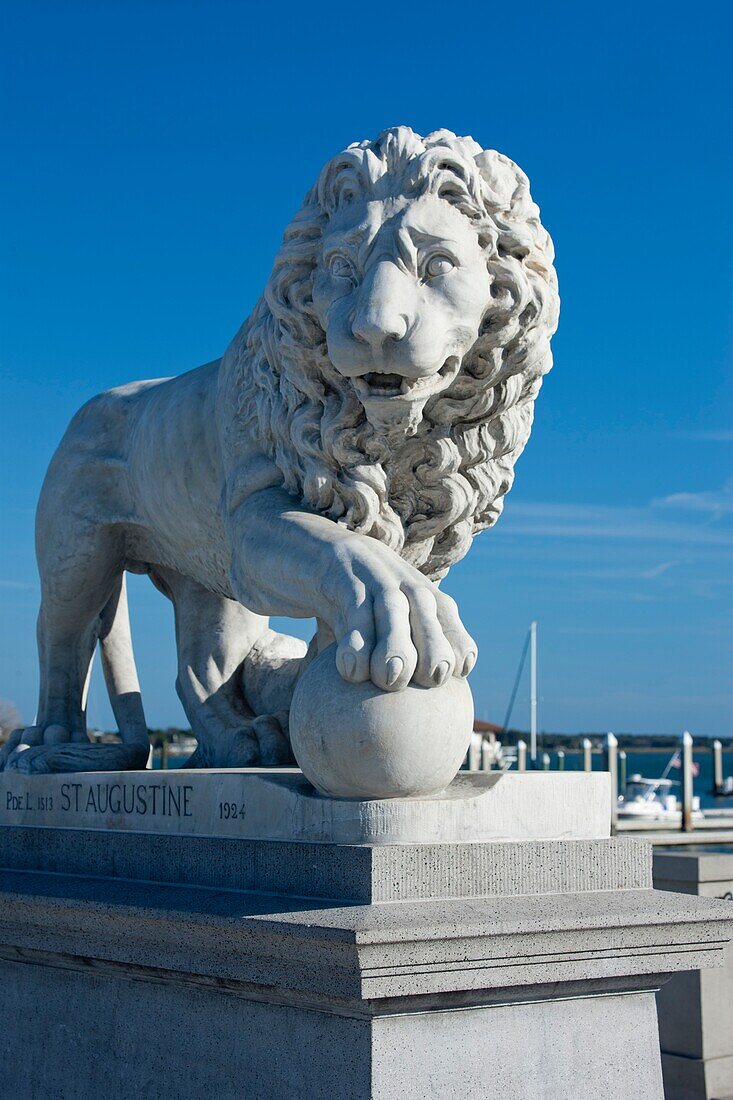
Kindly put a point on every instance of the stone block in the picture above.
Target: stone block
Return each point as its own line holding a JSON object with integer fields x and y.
{"x": 176, "y": 967}
{"x": 350, "y": 873}
{"x": 279, "y": 804}
{"x": 696, "y": 1009}
{"x": 181, "y": 1041}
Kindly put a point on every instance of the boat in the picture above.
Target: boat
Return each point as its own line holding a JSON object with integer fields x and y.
{"x": 725, "y": 789}
{"x": 653, "y": 800}
{"x": 486, "y": 752}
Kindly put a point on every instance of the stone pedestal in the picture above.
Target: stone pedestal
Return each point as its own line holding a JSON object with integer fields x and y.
{"x": 696, "y": 1008}
{"x": 183, "y": 964}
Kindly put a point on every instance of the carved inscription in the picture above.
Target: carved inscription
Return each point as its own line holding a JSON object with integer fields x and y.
{"x": 131, "y": 799}
{"x": 27, "y": 801}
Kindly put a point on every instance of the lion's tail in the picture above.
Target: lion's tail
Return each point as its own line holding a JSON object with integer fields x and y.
{"x": 120, "y": 674}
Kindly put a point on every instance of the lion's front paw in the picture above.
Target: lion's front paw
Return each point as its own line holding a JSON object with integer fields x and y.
{"x": 394, "y": 625}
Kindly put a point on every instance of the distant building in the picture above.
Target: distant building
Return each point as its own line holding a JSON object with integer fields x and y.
{"x": 486, "y": 728}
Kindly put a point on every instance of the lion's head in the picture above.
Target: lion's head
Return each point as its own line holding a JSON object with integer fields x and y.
{"x": 392, "y": 365}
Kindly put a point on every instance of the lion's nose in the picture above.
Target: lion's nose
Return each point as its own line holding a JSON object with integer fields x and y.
{"x": 375, "y": 329}
{"x": 383, "y": 314}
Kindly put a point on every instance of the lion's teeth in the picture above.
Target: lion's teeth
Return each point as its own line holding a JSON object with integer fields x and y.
{"x": 383, "y": 385}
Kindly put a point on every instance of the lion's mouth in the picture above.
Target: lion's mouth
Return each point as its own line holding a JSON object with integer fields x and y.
{"x": 382, "y": 384}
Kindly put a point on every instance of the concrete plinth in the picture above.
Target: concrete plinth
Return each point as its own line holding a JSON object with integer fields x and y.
{"x": 696, "y": 1009}
{"x": 176, "y": 967}
{"x": 280, "y": 804}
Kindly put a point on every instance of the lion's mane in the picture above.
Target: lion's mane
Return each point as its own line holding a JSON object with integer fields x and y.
{"x": 427, "y": 495}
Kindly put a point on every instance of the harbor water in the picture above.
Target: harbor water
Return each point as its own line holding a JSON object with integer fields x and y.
{"x": 647, "y": 762}
{"x": 650, "y": 763}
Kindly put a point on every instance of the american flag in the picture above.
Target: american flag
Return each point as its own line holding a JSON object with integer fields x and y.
{"x": 677, "y": 763}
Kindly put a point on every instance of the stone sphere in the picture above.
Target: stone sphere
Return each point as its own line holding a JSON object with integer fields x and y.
{"x": 357, "y": 741}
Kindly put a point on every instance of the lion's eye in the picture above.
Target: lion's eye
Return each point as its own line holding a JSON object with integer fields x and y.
{"x": 438, "y": 265}
{"x": 341, "y": 268}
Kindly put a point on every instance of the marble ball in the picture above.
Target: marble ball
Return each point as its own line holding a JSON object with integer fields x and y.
{"x": 357, "y": 741}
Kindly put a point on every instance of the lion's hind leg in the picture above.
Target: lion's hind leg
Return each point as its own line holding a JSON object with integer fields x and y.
{"x": 214, "y": 637}
{"x": 82, "y": 594}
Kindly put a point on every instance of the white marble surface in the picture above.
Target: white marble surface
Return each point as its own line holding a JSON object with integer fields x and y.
{"x": 360, "y": 429}
{"x": 279, "y": 804}
{"x": 355, "y": 741}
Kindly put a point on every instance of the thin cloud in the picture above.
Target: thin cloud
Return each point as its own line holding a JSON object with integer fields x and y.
{"x": 722, "y": 435}
{"x": 714, "y": 503}
{"x": 604, "y": 630}
{"x": 586, "y": 573}
{"x": 596, "y": 521}
{"x": 657, "y": 570}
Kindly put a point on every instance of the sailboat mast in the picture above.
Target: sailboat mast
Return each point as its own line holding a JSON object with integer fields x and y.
{"x": 533, "y": 692}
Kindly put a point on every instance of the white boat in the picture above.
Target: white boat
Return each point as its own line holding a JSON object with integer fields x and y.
{"x": 507, "y": 757}
{"x": 182, "y": 746}
{"x": 653, "y": 800}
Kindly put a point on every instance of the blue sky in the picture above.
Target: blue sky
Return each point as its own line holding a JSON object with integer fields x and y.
{"x": 154, "y": 153}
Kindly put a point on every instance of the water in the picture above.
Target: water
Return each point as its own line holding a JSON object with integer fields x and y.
{"x": 647, "y": 762}
{"x": 651, "y": 763}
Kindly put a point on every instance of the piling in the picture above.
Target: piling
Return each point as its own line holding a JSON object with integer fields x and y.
{"x": 164, "y": 753}
{"x": 561, "y": 760}
{"x": 587, "y": 755}
{"x": 622, "y": 771}
{"x": 717, "y": 767}
{"x": 486, "y": 756}
{"x": 521, "y": 756}
{"x": 612, "y": 767}
{"x": 687, "y": 825}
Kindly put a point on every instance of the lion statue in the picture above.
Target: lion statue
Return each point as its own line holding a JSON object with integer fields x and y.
{"x": 361, "y": 428}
